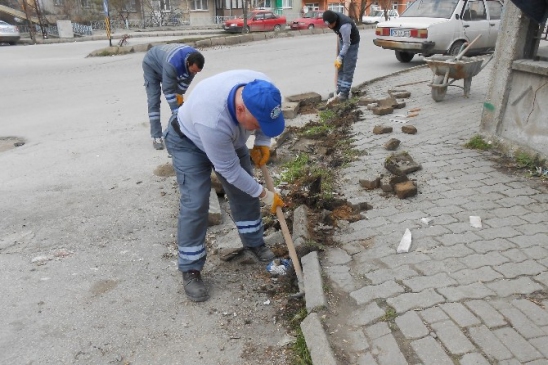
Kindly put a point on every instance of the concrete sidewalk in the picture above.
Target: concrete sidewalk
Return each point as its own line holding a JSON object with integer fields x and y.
{"x": 462, "y": 295}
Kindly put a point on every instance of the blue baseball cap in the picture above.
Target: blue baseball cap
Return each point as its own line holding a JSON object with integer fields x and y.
{"x": 264, "y": 101}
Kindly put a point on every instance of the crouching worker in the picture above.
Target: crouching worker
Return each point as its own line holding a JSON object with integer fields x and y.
{"x": 210, "y": 132}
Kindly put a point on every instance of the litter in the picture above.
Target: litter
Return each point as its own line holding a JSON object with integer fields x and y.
{"x": 426, "y": 221}
{"x": 278, "y": 266}
{"x": 475, "y": 221}
{"x": 405, "y": 242}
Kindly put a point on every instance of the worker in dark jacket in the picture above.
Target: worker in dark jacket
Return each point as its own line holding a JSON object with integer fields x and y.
{"x": 348, "y": 45}
{"x": 173, "y": 66}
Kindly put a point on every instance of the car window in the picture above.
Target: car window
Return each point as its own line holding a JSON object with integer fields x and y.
{"x": 431, "y": 9}
{"x": 377, "y": 13}
{"x": 495, "y": 9}
{"x": 474, "y": 10}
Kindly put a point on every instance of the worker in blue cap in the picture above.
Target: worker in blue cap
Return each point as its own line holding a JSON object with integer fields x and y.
{"x": 210, "y": 131}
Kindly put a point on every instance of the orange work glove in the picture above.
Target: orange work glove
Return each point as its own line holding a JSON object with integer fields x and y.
{"x": 338, "y": 62}
{"x": 272, "y": 200}
{"x": 260, "y": 155}
{"x": 180, "y": 99}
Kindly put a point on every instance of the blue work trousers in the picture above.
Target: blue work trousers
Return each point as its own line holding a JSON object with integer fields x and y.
{"x": 154, "y": 92}
{"x": 193, "y": 170}
{"x": 346, "y": 72}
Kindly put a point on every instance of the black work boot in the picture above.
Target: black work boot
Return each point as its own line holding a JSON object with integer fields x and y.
{"x": 194, "y": 286}
{"x": 262, "y": 252}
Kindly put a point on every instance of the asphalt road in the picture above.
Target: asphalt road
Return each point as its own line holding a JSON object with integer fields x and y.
{"x": 85, "y": 224}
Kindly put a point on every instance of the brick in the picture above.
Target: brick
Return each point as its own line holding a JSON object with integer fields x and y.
{"x": 489, "y": 315}
{"x": 458, "y": 313}
{"x": 411, "y": 325}
{"x": 452, "y": 338}
{"x": 420, "y": 283}
{"x": 535, "y": 313}
{"x": 404, "y": 302}
{"x": 489, "y": 343}
{"x": 512, "y": 269}
{"x": 470, "y": 291}
{"x": 473, "y": 359}
{"x": 371, "y": 292}
{"x": 522, "y": 285}
{"x": 483, "y": 274}
{"x": 387, "y": 351}
{"x": 521, "y": 349}
{"x": 431, "y": 352}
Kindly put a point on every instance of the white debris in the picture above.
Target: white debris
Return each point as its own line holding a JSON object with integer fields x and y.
{"x": 40, "y": 260}
{"x": 405, "y": 242}
{"x": 267, "y": 302}
{"x": 427, "y": 221}
{"x": 475, "y": 221}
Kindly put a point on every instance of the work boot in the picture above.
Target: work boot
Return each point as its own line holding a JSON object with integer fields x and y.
{"x": 342, "y": 97}
{"x": 158, "y": 143}
{"x": 262, "y": 252}
{"x": 195, "y": 288}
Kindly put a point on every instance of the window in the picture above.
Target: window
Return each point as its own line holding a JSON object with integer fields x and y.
{"x": 495, "y": 9}
{"x": 312, "y": 6}
{"x": 336, "y": 7}
{"x": 287, "y": 4}
{"x": 165, "y": 5}
{"x": 197, "y": 4}
{"x": 475, "y": 10}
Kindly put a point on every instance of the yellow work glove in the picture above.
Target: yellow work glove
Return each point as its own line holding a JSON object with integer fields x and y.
{"x": 260, "y": 155}
{"x": 338, "y": 62}
{"x": 180, "y": 99}
{"x": 272, "y": 200}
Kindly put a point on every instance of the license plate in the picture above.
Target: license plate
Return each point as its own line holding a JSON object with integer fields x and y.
{"x": 399, "y": 33}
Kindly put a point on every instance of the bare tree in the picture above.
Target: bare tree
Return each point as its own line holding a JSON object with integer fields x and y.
{"x": 358, "y": 8}
{"x": 121, "y": 9}
{"x": 386, "y": 5}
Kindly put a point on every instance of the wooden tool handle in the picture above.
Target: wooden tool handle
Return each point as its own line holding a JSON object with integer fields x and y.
{"x": 285, "y": 230}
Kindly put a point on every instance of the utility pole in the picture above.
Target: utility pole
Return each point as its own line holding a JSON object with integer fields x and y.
{"x": 107, "y": 22}
{"x": 40, "y": 19}
{"x": 29, "y": 22}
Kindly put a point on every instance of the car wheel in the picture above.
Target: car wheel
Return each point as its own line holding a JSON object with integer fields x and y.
{"x": 12, "y": 43}
{"x": 277, "y": 27}
{"x": 438, "y": 93}
{"x": 404, "y": 57}
{"x": 455, "y": 48}
{"x": 311, "y": 26}
{"x": 247, "y": 30}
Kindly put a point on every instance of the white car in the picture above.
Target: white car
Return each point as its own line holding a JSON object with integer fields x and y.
{"x": 9, "y": 33}
{"x": 377, "y": 16}
{"x": 431, "y": 27}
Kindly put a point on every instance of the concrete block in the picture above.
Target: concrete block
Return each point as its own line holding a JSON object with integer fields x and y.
{"x": 300, "y": 223}
{"x": 305, "y": 98}
{"x": 203, "y": 43}
{"x": 316, "y": 341}
{"x": 290, "y": 109}
{"x": 65, "y": 29}
{"x": 214, "y": 214}
{"x": 313, "y": 282}
{"x": 218, "y": 41}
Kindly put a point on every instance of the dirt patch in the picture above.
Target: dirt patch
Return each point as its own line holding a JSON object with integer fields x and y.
{"x": 8, "y": 143}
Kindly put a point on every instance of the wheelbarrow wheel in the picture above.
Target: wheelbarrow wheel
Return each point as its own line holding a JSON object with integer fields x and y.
{"x": 438, "y": 93}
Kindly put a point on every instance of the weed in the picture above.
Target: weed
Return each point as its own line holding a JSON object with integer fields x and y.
{"x": 302, "y": 355}
{"x": 525, "y": 160}
{"x": 389, "y": 315}
{"x": 477, "y": 143}
{"x": 293, "y": 170}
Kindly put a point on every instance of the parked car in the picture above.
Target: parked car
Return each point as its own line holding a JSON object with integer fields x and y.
{"x": 9, "y": 33}
{"x": 257, "y": 21}
{"x": 430, "y": 27}
{"x": 377, "y": 16}
{"x": 310, "y": 20}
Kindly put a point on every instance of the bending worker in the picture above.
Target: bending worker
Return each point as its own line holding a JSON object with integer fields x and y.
{"x": 173, "y": 66}
{"x": 348, "y": 43}
{"x": 210, "y": 132}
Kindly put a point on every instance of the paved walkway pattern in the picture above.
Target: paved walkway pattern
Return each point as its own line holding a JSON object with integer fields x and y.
{"x": 462, "y": 295}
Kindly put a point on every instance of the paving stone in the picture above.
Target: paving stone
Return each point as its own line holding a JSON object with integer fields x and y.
{"x": 482, "y": 274}
{"x": 371, "y": 292}
{"x": 535, "y": 313}
{"x": 494, "y": 233}
{"x": 340, "y": 275}
{"x": 410, "y": 258}
{"x": 420, "y": 283}
{"x": 387, "y": 351}
{"x": 512, "y": 211}
{"x": 509, "y": 362}
{"x": 457, "y": 250}
{"x": 470, "y": 291}
{"x": 425, "y": 299}
{"x": 522, "y": 285}
{"x": 366, "y": 315}
{"x": 399, "y": 273}
{"x": 500, "y": 244}
{"x": 512, "y": 269}
{"x": 541, "y": 344}
{"x": 521, "y": 323}
{"x": 458, "y": 313}
{"x": 452, "y": 337}
{"x": 489, "y": 315}
{"x": 538, "y": 362}
{"x": 504, "y": 222}
{"x": 433, "y": 267}
{"x": 367, "y": 359}
{"x": 411, "y": 325}
{"x": 431, "y": 352}
{"x": 516, "y": 255}
{"x": 536, "y": 252}
{"x": 521, "y": 349}
{"x": 542, "y": 278}
{"x": 337, "y": 256}
{"x": 538, "y": 239}
{"x": 489, "y": 259}
{"x": 454, "y": 238}
{"x": 489, "y": 343}
{"x": 528, "y": 229}
{"x": 357, "y": 340}
{"x": 473, "y": 359}
{"x": 534, "y": 217}
{"x": 513, "y": 201}
{"x": 432, "y": 315}
{"x": 378, "y": 330}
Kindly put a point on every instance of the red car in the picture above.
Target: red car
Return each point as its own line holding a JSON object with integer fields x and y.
{"x": 310, "y": 20}
{"x": 257, "y": 21}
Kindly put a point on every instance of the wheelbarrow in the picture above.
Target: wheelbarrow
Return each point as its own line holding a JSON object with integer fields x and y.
{"x": 448, "y": 69}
